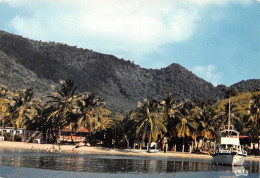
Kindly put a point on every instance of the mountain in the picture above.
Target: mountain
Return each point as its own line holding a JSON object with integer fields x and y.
{"x": 121, "y": 83}
{"x": 248, "y": 85}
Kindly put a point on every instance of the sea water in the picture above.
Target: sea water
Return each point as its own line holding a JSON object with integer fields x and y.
{"x": 27, "y": 163}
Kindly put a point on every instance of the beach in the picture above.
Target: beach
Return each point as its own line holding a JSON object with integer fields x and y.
{"x": 101, "y": 150}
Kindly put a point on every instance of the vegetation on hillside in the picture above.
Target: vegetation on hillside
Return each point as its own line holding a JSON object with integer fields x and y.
{"x": 152, "y": 120}
{"x": 25, "y": 63}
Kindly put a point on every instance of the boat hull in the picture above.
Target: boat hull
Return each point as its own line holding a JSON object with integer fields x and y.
{"x": 233, "y": 159}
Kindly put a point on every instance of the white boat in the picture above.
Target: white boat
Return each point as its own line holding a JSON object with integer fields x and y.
{"x": 229, "y": 150}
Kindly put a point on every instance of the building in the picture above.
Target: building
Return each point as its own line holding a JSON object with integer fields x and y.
{"x": 79, "y": 135}
{"x": 8, "y": 133}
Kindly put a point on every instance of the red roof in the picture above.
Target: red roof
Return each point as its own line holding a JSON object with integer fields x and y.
{"x": 81, "y": 129}
{"x": 243, "y": 136}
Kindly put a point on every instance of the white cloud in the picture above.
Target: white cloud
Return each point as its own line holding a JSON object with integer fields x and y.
{"x": 127, "y": 28}
{"x": 208, "y": 73}
{"x": 218, "y": 2}
{"x": 158, "y": 65}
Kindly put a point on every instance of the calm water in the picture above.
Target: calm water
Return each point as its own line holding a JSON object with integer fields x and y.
{"x": 21, "y": 163}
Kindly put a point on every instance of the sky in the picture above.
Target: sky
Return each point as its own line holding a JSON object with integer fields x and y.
{"x": 218, "y": 40}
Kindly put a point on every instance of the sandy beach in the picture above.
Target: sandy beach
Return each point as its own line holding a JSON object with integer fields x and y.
{"x": 101, "y": 150}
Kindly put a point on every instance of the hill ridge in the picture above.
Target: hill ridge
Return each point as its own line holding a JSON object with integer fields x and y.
{"x": 121, "y": 83}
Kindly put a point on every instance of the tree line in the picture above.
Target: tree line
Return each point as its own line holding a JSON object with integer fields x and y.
{"x": 151, "y": 121}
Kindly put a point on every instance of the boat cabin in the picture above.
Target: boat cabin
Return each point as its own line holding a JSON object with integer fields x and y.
{"x": 230, "y": 147}
{"x": 229, "y": 136}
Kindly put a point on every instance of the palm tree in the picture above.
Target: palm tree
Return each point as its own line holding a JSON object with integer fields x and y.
{"x": 170, "y": 105}
{"x": 206, "y": 128}
{"x": 4, "y": 106}
{"x": 187, "y": 121}
{"x": 221, "y": 117}
{"x": 149, "y": 119}
{"x": 254, "y": 118}
{"x": 100, "y": 116}
{"x": 170, "y": 110}
{"x": 63, "y": 107}
{"x": 23, "y": 109}
{"x": 124, "y": 128}
{"x": 93, "y": 114}
{"x": 119, "y": 128}
{"x": 87, "y": 109}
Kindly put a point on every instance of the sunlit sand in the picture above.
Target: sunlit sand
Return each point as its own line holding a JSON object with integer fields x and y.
{"x": 101, "y": 150}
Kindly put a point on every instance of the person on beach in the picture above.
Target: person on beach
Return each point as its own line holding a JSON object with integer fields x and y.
{"x": 51, "y": 149}
{"x": 165, "y": 144}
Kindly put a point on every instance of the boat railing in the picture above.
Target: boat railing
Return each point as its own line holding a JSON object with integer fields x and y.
{"x": 223, "y": 151}
{"x": 229, "y": 133}
{"x": 230, "y": 150}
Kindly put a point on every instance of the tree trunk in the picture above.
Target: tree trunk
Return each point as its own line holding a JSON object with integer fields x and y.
{"x": 46, "y": 136}
{"x": 258, "y": 144}
{"x": 183, "y": 143}
{"x": 24, "y": 135}
{"x": 15, "y": 133}
{"x": 71, "y": 134}
{"x": 115, "y": 139}
{"x": 3, "y": 126}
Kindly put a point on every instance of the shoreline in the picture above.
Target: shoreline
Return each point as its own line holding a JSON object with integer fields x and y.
{"x": 68, "y": 149}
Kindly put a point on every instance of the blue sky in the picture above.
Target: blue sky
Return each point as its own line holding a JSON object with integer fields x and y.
{"x": 218, "y": 40}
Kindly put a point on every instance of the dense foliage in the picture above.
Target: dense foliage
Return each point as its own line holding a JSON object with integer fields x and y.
{"x": 151, "y": 121}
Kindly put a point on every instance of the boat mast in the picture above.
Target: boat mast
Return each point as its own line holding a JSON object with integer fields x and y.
{"x": 229, "y": 115}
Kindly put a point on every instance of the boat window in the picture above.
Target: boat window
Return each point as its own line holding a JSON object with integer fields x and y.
{"x": 228, "y": 146}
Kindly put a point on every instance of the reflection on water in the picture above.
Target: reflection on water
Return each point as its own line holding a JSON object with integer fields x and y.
{"x": 225, "y": 171}
{"x": 99, "y": 163}
{"x": 118, "y": 164}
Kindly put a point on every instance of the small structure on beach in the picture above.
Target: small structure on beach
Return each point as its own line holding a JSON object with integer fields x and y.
{"x": 34, "y": 136}
{"x": 7, "y": 133}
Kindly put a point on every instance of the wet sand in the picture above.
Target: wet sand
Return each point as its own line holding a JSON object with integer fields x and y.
{"x": 102, "y": 150}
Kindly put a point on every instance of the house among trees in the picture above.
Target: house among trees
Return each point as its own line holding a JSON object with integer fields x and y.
{"x": 8, "y": 133}
{"x": 79, "y": 135}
